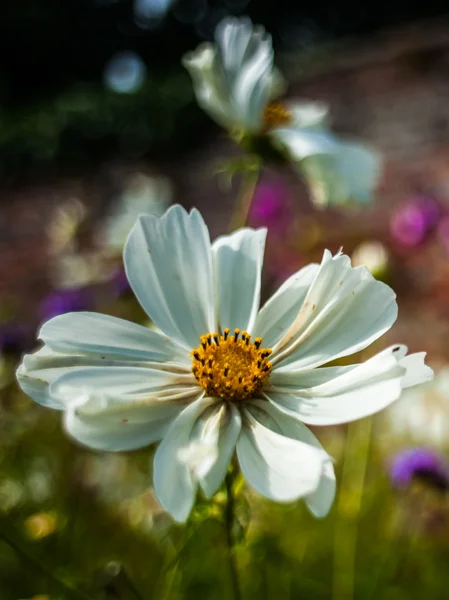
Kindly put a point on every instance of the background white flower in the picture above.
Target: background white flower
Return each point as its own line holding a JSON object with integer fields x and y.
{"x": 421, "y": 415}
{"x": 207, "y": 387}
{"x": 125, "y": 72}
{"x": 374, "y": 255}
{"x": 142, "y": 194}
{"x": 236, "y": 83}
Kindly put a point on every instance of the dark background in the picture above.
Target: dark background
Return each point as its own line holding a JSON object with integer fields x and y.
{"x": 55, "y": 111}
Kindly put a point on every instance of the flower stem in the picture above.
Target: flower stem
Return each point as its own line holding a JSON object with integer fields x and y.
{"x": 131, "y": 586}
{"x": 356, "y": 456}
{"x": 240, "y": 215}
{"x": 229, "y": 522}
{"x": 31, "y": 560}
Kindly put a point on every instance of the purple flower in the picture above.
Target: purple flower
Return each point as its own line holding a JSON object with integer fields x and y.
{"x": 420, "y": 464}
{"x": 62, "y": 301}
{"x": 413, "y": 221}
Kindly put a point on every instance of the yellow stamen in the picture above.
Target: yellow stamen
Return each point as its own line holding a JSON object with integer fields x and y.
{"x": 276, "y": 114}
{"x": 231, "y": 368}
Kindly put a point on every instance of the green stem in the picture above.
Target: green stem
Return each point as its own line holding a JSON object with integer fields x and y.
{"x": 123, "y": 585}
{"x": 356, "y": 455}
{"x": 131, "y": 585}
{"x": 72, "y": 592}
{"x": 229, "y": 522}
{"x": 240, "y": 215}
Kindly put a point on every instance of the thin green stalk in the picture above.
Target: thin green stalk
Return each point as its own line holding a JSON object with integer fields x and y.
{"x": 63, "y": 586}
{"x": 130, "y": 585}
{"x": 240, "y": 215}
{"x": 349, "y": 504}
{"x": 169, "y": 582}
{"x": 229, "y": 522}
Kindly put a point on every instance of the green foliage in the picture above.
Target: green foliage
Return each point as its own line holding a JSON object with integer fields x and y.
{"x": 87, "y": 122}
{"x": 98, "y": 549}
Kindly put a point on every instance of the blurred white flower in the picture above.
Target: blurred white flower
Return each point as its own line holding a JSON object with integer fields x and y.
{"x": 206, "y": 387}
{"x": 374, "y": 255}
{"x": 11, "y": 494}
{"x": 77, "y": 270}
{"x": 113, "y": 478}
{"x": 70, "y": 269}
{"x": 140, "y": 512}
{"x": 64, "y": 225}
{"x": 39, "y": 480}
{"x": 236, "y": 83}
{"x": 151, "y": 13}
{"x": 422, "y": 414}
{"x": 142, "y": 194}
{"x": 125, "y": 73}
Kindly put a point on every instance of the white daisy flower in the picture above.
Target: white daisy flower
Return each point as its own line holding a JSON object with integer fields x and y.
{"x": 222, "y": 374}
{"x": 236, "y": 83}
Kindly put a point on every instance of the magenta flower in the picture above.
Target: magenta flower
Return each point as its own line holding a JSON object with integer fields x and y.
{"x": 413, "y": 221}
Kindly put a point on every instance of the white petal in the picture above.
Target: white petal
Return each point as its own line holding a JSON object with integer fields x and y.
{"x": 416, "y": 371}
{"x": 308, "y": 114}
{"x": 344, "y": 311}
{"x": 136, "y": 386}
{"x": 222, "y": 431}
{"x": 279, "y": 312}
{"x": 109, "y": 337}
{"x": 209, "y": 84}
{"x": 337, "y": 171}
{"x": 278, "y": 467}
{"x": 201, "y": 452}
{"x": 349, "y": 174}
{"x": 199, "y": 457}
{"x": 320, "y": 501}
{"x": 98, "y": 424}
{"x": 40, "y": 369}
{"x": 358, "y": 392}
{"x": 211, "y": 445}
{"x": 174, "y": 482}
{"x": 168, "y": 262}
{"x": 360, "y": 167}
{"x": 232, "y": 36}
{"x": 302, "y": 143}
{"x": 306, "y": 378}
{"x": 246, "y": 54}
{"x": 79, "y": 340}
{"x": 121, "y": 408}
{"x": 238, "y": 262}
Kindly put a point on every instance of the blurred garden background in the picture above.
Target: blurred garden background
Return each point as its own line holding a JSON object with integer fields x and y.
{"x": 98, "y": 123}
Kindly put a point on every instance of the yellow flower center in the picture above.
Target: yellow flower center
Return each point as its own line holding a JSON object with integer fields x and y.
{"x": 230, "y": 367}
{"x": 275, "y": 114}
